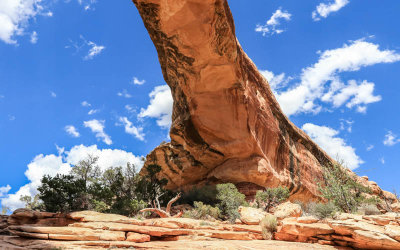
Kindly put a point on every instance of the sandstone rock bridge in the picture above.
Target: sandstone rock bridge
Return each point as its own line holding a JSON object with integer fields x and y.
{"x": 226, "y": 125}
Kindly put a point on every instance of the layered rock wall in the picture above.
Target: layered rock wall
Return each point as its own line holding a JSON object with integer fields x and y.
{"x": 226, "y": 125}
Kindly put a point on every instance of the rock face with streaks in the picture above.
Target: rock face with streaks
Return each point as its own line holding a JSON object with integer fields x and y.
{"x": 226, "y": 125}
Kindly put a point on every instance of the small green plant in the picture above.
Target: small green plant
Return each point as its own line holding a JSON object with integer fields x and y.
{"x": 268, "y": 226}
{"x": 342, "y": 189}
{"x": 202, "y": 211}
{"x": 229, "y": 200}
{"x": 271, "y": 197}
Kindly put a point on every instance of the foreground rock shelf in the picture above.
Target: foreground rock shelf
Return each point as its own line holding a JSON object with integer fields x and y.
{"x": 92, "y": 230}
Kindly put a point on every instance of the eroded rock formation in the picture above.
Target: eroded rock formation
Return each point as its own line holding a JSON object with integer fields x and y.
{"x": 226, "y": 125}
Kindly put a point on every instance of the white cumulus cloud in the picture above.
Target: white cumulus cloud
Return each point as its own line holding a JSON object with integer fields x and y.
{"x": 97, "y": 127}
{"x": 131, "y": 129}
{"x": 61, "y": 164}
{"x": 72, "y": 131}
{"x": 321, "y": 81}
{"x": 94, "y": 50}
{"x": 271, "y": 26}
{"x": 275, "y": 81}
{"x": 15, "y": 16}
{"x": 391, "y": 139}
{"x": 336, "y": 147}
{"x": 323, "y": 10}
{"x": 4, "y": 190}
{"x": 124, "y": 93}
{"x": 93, "y": 111}
{"x": 136, "y": 81}
{"x": 160, "y": 106}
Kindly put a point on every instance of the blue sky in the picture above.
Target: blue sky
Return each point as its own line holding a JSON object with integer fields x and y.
{"x": 80, "y": 77}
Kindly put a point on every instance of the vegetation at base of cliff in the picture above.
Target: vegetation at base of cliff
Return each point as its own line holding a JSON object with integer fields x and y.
{"x": 203, "y": 211}
{"x": 343, "y": 190}
{"x": 229, "y": 201}
{"x": 86, "y": 187}
{"x": 271, "y": 197}
{"x": 268, "y": 226}
{"x": 221, "y": 201}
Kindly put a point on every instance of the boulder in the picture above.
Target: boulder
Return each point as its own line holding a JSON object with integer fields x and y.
{"x": 250, "y": 215}
{"x": 287, "y": 209}
{"x": 396, "y": 207}
{"x": 135, "y": 237}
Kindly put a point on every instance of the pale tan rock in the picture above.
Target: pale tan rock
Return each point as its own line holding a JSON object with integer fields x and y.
{"x": 90, "y": 216}
{"x": 150, "y": 230}
{"x": 383, "y": 219}
{"x": 226, "y": 235}
{"x": 135, "y": 237}
{"x": 393, "y": 231}
{"x": 373, "y": 240}
{"x": 307, "y": 230}
{"x": 287, "y": 209}
{"x": 307, "y": 219}
{"x": 347, "y": 227}
{"x": 250, "y": 215}
{"x": 396, "y": 207}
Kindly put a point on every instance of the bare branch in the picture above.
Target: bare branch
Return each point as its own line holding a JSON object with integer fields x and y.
{"x": 178, "y": 215}
{"x": 168, "y": 210}
{"x": 161, "y": 213}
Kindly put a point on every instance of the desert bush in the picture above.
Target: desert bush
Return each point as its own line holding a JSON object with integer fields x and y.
{"x": 342, "y": 189}
{"x": 368, "y": 209}
{"x": 202, "y": 211}
{"x": 268, "y": 226}
{"x": 322, "y": 210}
{"x": 229, "y": 200}
{"x": 271, "y": 197}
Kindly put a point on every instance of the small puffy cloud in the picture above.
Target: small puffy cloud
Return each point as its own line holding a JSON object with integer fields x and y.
{"x": 336, "y": 147}
{"x": 4, "y": 190}
{"x": 61, "y": 164}
{"x": 91, "y": 48}
{"x": 130, "y": 108}
{"x": 136, "y": 81}
{"x": 15, "y": 16}
{"x": 72, "y": 131}
{"x": 370, "y": 147}
{"x": 271, "y": 26}
{"x": 97, "y": 127}
{"x": 94, "y": 50}
{"x": 34, "y": 37}
{"x": 85, "y": 104}
{"x": 131, "y": 129}
{"x": 275, "y": 81}
{"x": 93, "y": 111}
{"x": 87, "y": 4}
{"x": 124, "y": 93}
{"x": 160, "y": 106}
{"x": 321, "y": 81}
{"x": 391, "y": 139}
{"x": 323, "y": 10}
{"x": 53, "y": 94}
{"x": 382, "y": 160}
{"x": 11, "y": 118}
{"x": 346, "y": 125}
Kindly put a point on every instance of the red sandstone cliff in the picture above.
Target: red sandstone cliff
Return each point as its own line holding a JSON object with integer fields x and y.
{"x": 226, "y": 125}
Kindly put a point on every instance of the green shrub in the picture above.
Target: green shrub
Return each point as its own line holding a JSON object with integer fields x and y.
{"x": 342, "y": 189}
{"x": 268, "y": 226}
{"x": 203, "y": 212}
{"x": 271, "y": 197}
{"x": 229, "y": 200}
{"x": 322, "y": 210}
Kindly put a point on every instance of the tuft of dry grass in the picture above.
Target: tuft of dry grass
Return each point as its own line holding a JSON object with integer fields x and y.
{"x": 268, "y": 226}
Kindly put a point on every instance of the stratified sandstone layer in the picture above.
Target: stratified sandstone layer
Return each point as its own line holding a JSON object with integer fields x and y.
{"x": 226, "y": 125}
